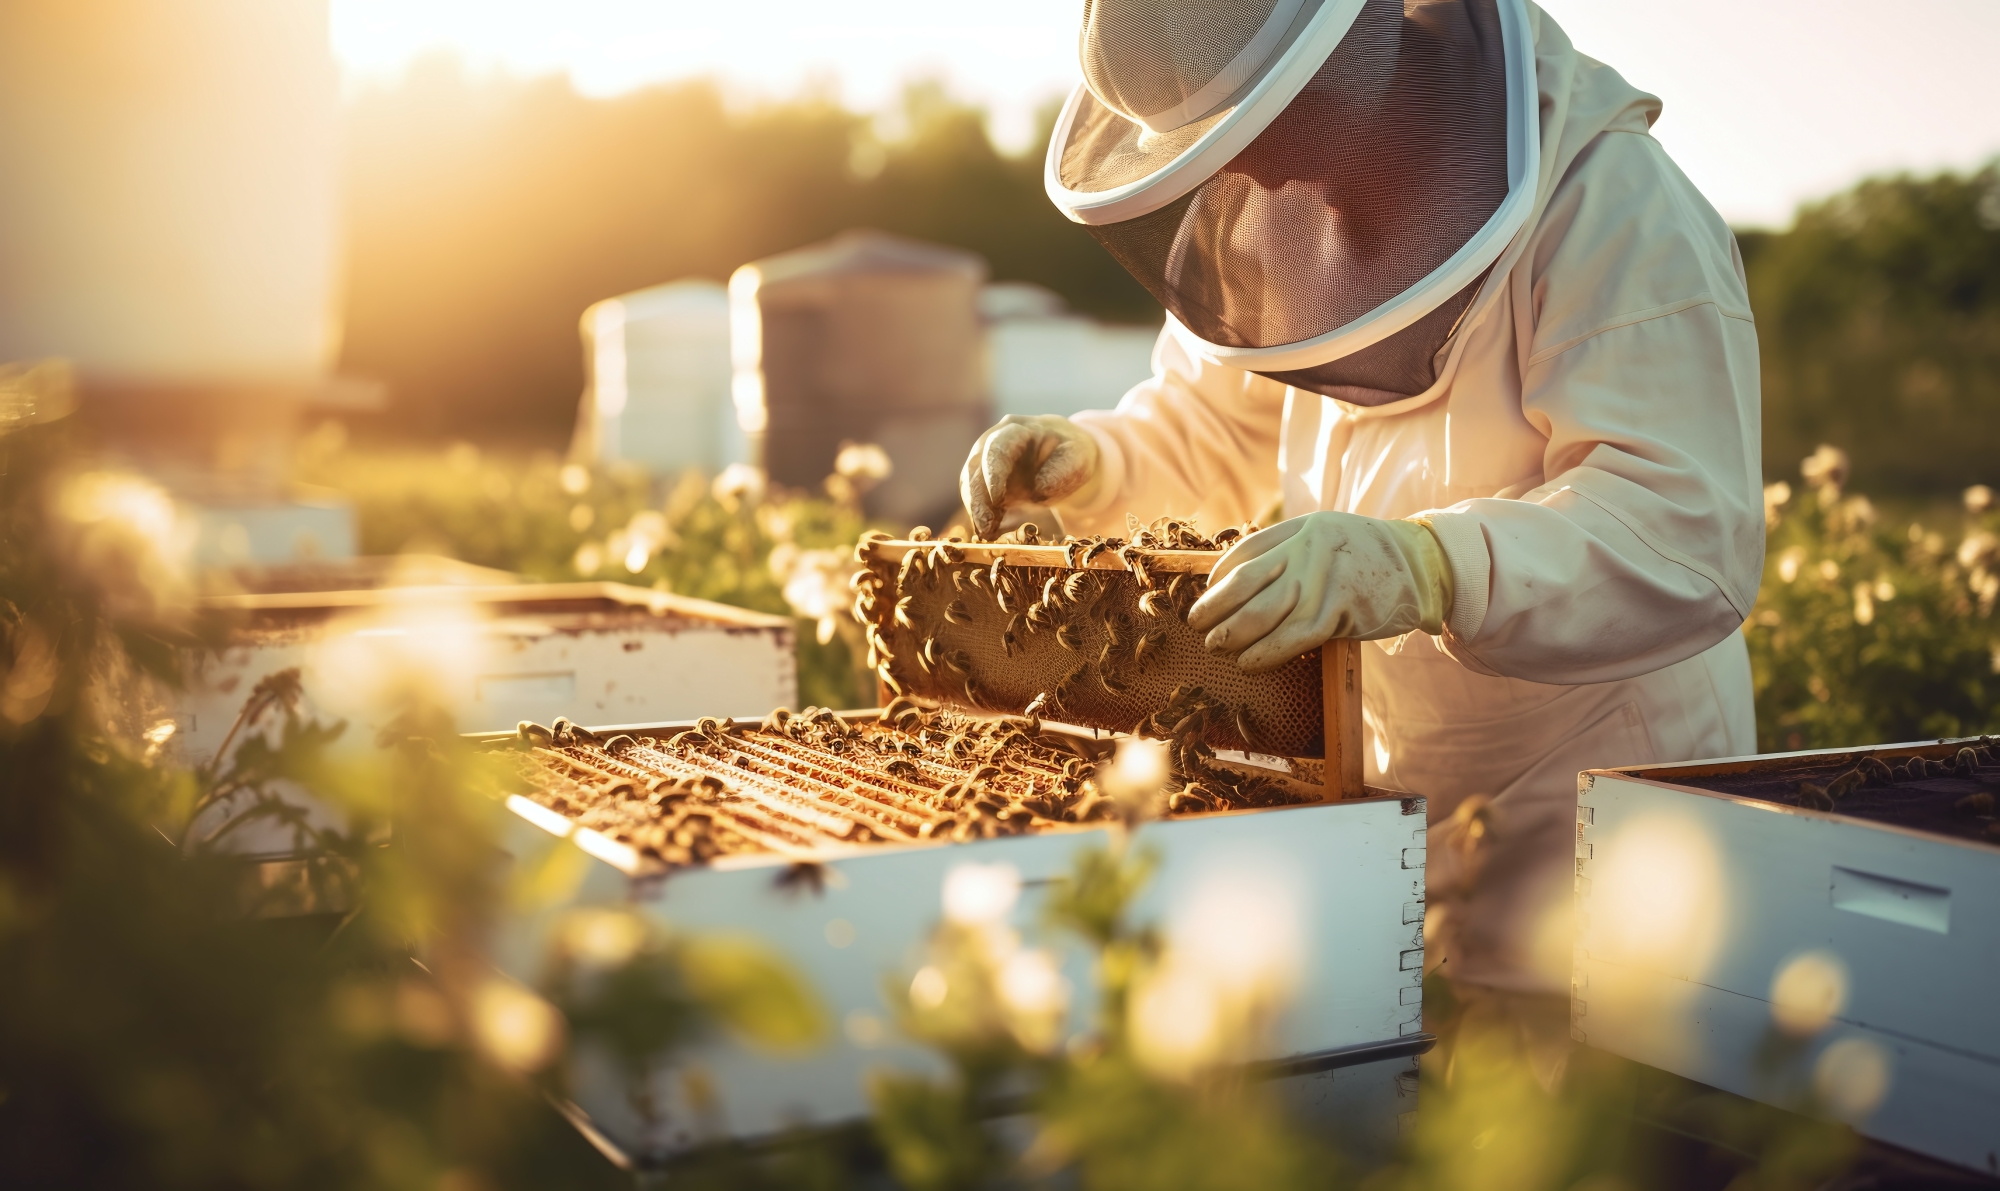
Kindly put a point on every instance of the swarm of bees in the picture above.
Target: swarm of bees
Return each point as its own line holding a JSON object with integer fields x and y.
{"x": 798, "y": 783}
{"x": 1875, "y": 773}
{"x": 1089, "y": 631}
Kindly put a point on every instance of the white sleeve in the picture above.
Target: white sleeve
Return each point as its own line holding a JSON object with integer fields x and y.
{"x": 1646, "y": 542}
{"x": 1192, "y": 441}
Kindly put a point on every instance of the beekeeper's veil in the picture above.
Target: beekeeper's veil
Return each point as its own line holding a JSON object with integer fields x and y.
{"x": 1314, "y": 189}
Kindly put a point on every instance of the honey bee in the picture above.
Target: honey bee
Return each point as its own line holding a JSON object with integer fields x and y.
{"x": 1227, "y": 536}
{"x": 921, "y": 533}
{"x": 1147, "y": 645}
{"x": 993, "y": 573}
{"x": 957, "y": 662}
{"x": 534, "y": 734}
{"x": 1036, "y": 709}
{"x": 1113, "y": 683}
{"x": 927, "y": 655}
{"x": 1038, "y": 617}
{"x": 801, "y": 876}
{"x": 903, "y": 613}
{"x": 1066, "y": 637}
{"x": 888, "y": 678}
{"x": 958, "y": 581}
{"x": 1875, "y": 771}
{"x": 1241, "y": 717}
{"x": 956, "y": 611}
{"x": 1155, "y": 603}
{"x": 1052, "y": 591}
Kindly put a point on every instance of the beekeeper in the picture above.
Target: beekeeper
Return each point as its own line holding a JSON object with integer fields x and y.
{"x": 1440, "y": 306}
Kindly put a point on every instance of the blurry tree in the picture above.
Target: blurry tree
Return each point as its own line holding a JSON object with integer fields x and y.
{"x": 485, "y": 214}
{"x": 1878, "y": 316}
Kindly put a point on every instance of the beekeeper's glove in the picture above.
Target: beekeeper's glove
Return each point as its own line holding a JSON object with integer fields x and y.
{"x": 1035, "y": 460}
{"x": 1286, "y": 589}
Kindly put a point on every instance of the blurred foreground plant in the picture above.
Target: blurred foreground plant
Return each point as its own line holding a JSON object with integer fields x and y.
{"x": 177, "y": 1014}
{"x": 1869, "y": 631}
{"x": 1153, "y": 1096}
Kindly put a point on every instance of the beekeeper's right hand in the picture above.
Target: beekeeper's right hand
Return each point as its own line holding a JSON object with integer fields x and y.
{"x": 1034, "y": 460}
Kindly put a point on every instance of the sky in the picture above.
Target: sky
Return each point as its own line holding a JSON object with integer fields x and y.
{"x": 1768, "y": 103}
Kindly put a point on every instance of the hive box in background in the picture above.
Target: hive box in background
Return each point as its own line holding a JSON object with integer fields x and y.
{"x": 1691, "y": 902}
{"x": 494, "y": 656}
{"x": 1343, "y": 1052}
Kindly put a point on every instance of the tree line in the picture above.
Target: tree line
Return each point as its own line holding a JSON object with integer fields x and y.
{"x": 484, "y": 214}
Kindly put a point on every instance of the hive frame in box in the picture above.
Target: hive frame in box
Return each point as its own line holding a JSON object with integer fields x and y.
{"x": 1344, "y": 1059}
{"x": 1340, "y": 659}
{"x": 536, "y": 650}
{"x": 1685, "y": 983}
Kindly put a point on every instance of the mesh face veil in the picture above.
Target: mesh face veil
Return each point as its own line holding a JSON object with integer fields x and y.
{"x": 1314, "y": 190}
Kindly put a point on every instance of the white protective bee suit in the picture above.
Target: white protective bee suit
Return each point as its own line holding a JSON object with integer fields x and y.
{"x": 1589, "y": 460}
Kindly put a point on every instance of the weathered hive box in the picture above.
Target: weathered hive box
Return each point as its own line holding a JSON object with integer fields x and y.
{"x": 492, "y": 655}
{"x": 1349, "y": 872}
{"x": 1842, "y": 959}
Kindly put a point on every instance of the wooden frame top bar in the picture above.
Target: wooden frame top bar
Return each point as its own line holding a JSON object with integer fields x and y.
{"x": 1169, "y": 561}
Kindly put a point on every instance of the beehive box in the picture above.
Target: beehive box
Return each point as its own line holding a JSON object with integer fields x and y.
{"x": 1775, "y": 928}
{"x": 495, "y": 655}
{"x": 1350, "y": 871}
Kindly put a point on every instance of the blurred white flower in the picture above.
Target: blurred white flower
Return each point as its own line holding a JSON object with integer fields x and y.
{"x": 1808, "y": 991}
{"x": 574, "y": 478}
{"x": 1978, "y": 499}
{"x": 1231, "y": 963}
{"x": 739, "y": 482}
{"x": 516, "y": 1028}
{"x": 1829, "y": 570}
{"x": 1030, "y": 983}
{"x": 1852, "y": 1077}
{"x": 1788, "y": 563}
{"x": 1775, "y": 497}
{"x": 928, "y": 988}
{"x": 126, "y": 538}
{"x": 588, "y": 559}
{"x": 581, "y": 517}
{"x": 862, "y": 461}
{"x": 815, "y": 583}
{"x": 606, "y": 938}
{"x": 1035, "y": 996}
{"x": 1177, "y": 1024}
{"x": 1826, "y": 466}
{"x": 1242, "y": 926}
{"x": 1864, "y": 605}
{"x": 980, "y": 894}
{"x": 1137, "y": 773}
{"x": 1978, "y": 547}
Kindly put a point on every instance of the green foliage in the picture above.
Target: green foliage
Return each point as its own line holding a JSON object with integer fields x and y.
{"x": 1871, "y": 629}
{"x": 1878, "y": 317}
{"x": 726, "y": 539}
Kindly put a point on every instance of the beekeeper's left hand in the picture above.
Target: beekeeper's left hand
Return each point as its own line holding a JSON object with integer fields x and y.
{"x": 1283, "y": 590}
